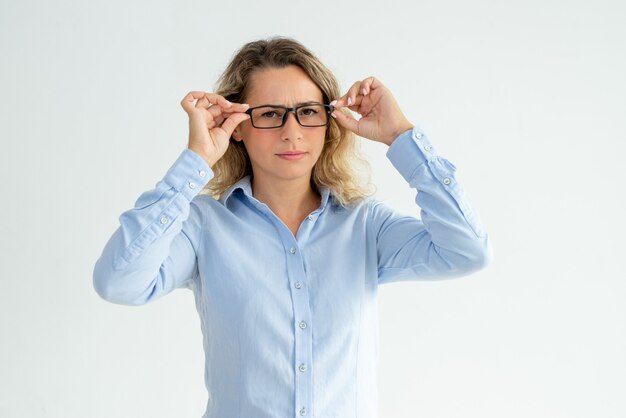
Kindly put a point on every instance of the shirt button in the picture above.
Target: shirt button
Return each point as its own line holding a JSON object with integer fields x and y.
{"x": 163, "y": 220}
{"x": 202, "y": 173}
{"x": 292, "y": 250}
{"x": 310, "y": 217}
{"x": 302, "y": 367}
{"x": 418, "y": 135}
{"x": 192, "y": 185}
{"x": 426, "y": 148}
{"x": 446, "y": 181}
{"x": 303, "y": 411}
{"x": 302, "y": 325}
{"x": 297, "y": 285}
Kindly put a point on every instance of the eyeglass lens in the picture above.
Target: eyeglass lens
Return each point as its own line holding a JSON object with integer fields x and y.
{"x": 271, "y": 117}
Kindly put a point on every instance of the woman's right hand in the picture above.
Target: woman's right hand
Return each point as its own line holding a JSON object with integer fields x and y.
{"x": 212, "y": 120}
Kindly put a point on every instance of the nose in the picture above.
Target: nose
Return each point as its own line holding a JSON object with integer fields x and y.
{"x": 291, "y": 128}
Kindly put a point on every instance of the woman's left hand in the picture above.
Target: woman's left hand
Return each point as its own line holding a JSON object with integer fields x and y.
{"x": 381, "y": 117}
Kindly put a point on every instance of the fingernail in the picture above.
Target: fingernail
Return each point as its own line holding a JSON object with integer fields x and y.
{"x": 334, "y": 102}
{"x": 364, "y": 92}
{"x": 349, "y": 101}
{"x": 245, "y": 104}
{"x": 333, "y": 115}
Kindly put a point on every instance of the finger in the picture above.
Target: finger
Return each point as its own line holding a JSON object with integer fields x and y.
{"x": 232, "y": 107}
{"x": 203, "y": 103}
{"x": 351, "y": 98}
{"x": 218, "y": 115}
{"x": 344, "y": 100}
{"x": 370, "y": 83}
{"x": 214, "y": 114}
{"x": 217, "y": 99}
{"x": 346, "y": 121}
{"x": 225, "y": 104}
{"x": 232, "y": 121}
{"x": 216, "y": 111}
{"x": 216, "y": 122}
{"x": 353, "y": 94}
{"x": 205, "y": 99}
{"x": 239, "y": 107}
{"x": 188, "y": 101}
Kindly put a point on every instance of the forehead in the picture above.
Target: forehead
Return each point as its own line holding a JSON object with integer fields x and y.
{"x": 289, "y": 85}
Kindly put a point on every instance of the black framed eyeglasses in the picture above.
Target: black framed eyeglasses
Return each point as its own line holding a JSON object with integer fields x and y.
{"x": 308, "y": 115}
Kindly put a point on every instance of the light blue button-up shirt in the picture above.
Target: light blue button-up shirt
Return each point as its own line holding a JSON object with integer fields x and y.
{"x": 290, "y": 324}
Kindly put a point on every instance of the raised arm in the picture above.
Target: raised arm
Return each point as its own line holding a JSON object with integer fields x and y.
{"x": 155, "y": 248}
{"x": 449, "y": 240}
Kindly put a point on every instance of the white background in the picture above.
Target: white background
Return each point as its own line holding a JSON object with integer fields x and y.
{"x": 527, "y": 99}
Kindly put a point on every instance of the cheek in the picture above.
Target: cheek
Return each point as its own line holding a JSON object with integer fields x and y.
{"x": 258, "y": 147}
{"x": 318, "y": 150}
{"x": 320, "y": 143}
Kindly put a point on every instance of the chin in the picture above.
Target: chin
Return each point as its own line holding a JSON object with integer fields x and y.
{"x": 285, "y": 169}
{"x": 291, "y": 173}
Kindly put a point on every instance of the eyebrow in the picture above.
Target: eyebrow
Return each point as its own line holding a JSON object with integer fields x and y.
{"x": 297, "y": 104}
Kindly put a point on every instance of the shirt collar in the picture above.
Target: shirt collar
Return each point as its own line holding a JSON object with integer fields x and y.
{"x": 245, "y": 186}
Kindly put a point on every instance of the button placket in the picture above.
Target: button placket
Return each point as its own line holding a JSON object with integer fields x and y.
{"x": 302, "y": 314}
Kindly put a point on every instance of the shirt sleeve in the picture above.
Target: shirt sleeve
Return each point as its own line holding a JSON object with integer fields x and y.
{"x": 154, "y": 250}
{"x": 449, "y": 240}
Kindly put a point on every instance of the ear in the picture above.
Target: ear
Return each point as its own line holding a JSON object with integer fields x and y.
{"x": 237, "y": 134}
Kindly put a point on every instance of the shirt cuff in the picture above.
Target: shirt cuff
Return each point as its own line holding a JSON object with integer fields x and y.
{"x": 189, "y": 174}
{"x": 410, "y": 150}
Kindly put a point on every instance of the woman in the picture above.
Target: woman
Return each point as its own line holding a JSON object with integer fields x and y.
{"x": 285, "y": 252}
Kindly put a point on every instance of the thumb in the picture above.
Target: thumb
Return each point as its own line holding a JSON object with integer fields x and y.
{"x": 232, "y": 121}
{"x": 346, "y": 121}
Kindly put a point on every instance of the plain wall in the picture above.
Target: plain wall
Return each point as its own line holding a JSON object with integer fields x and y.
{"x": 527, "y": 99}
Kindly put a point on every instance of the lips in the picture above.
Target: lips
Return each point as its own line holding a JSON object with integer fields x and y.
{"x": 292, "y": 153}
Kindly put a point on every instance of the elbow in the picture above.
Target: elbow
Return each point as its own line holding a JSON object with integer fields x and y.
{"x": 480, "y": 256}
{"x": 103, "y": 284}
{"x": 110, "y": 287}
{"x": 106, "y": 291}
{"x": 473, "y": 256}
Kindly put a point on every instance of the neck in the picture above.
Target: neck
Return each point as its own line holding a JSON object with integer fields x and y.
{"x": 286, "y": 197}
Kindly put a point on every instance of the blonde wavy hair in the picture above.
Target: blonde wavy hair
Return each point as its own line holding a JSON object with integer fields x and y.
{"x": 341, "y": 166}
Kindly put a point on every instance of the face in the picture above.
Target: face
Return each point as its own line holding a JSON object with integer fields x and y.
{"x": 289, "y": 87}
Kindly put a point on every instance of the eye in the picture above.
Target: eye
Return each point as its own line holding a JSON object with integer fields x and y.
{"x": 308, "y": 111}
{"x": 271, "y": 114}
